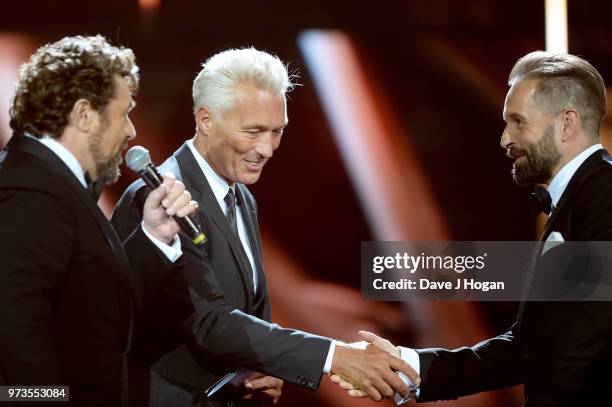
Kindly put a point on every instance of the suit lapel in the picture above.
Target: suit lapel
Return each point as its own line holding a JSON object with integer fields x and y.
{"x": 250, "y": 220}
{"x": 592, "y": 163}
{"x": 33, "y": 147}
{"x": 251, "y": 223}
{"x": 588, "y": 167}
{"x": 196, "y": 183}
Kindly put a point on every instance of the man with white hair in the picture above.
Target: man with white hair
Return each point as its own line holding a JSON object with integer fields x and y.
{"x": 215, "y": 315}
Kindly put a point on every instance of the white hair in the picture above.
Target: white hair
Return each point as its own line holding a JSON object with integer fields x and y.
{"x": 215, "y": 85}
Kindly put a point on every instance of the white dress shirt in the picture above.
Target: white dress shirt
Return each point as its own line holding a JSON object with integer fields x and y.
{"x": 562, "y": 178}
{"x": 172, "y": 252}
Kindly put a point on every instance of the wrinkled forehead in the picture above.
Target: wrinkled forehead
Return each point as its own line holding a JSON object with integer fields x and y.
{"x": 254, "y": 102}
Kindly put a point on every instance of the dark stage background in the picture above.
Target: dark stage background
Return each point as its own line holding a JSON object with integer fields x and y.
{"x": 428, "y": 82}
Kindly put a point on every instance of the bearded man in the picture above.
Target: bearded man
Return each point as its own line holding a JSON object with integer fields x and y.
{"x": 560, "y": 350}
{"x": 65, "y": 294}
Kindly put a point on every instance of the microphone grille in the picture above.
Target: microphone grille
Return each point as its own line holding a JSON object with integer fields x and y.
{"x": 137, "y": 158}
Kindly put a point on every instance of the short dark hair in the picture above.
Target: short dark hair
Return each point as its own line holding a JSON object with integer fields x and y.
{"x": 565, "y": 81}
{"x": 59, "y": 74}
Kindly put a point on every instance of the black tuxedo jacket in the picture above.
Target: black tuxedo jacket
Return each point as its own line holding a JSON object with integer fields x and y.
{"x": 65, "y": 294}
{"x": 208, "y": 321}
{"x": 561, "y": 351}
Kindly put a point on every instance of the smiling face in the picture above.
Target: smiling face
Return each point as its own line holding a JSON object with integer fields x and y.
{"x": 239, "y": 142}
{"x": 115, "y": 129}
{"x": 529, "y": 136}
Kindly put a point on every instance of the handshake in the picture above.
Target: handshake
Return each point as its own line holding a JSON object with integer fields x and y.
{"x": 373, "y": 368}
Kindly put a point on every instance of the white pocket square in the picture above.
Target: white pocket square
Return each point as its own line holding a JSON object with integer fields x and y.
{"x": 554, "y": 239}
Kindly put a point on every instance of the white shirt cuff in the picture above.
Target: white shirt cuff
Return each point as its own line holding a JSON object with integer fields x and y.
{"x": 172, "y": 252}
{"x": 411, "y": 357}
{"x": 330, "y": 357}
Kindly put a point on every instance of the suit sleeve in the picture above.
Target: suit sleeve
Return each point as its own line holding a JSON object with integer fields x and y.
{"x": 189, "y": 308}
{"x": 217, "y": 332}
{"x": 36, "y": 240}
{"x": 149, "y": 266}
{"x": 491, "y": 364}
{"x": 570, "y": 349}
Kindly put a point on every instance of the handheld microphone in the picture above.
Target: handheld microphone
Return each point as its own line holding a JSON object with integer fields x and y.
{"x": 138, "y": 160}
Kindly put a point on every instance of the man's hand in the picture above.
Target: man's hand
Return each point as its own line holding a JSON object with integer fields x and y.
{"x": 164, "y": 202}
{"x": 371, "y": 370}
{"x": 264, "y": 389}
{"x": 379, "y": 342}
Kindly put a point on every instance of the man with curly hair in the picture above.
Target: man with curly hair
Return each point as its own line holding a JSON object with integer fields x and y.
{"x": 65, "y": 294}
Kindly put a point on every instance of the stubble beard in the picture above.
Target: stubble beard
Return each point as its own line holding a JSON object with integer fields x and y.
{"x": 107, "y": 169}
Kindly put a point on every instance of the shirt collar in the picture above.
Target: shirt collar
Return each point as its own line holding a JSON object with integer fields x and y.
{"x": 65, "y": 155}
{"x": 562, "y": 178}
{"x": 218, "y": 185}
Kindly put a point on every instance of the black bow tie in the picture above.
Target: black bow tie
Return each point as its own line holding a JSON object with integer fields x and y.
{"x": 540, "y": 201}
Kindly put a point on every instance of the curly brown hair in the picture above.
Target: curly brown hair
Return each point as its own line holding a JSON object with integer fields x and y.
{"x": 59, "y": 74}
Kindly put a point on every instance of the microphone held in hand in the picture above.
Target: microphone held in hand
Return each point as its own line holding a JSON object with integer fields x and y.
{"x": 139, "y": 160}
